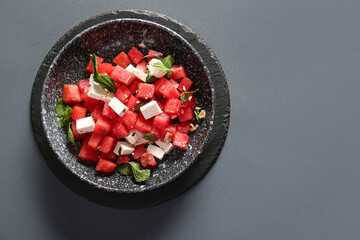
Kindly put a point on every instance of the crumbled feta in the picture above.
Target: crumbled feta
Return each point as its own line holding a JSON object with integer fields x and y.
{"x": 155, "y": 151}
{"x": 118, "y": 106}
{"x": 142, "y": 45}
{"x": 174, "y": 83}
{"x": 150, "y": 109}
{"x": 97, "y": 92}
{"x": 173, "y": 117}
{"x": 168, "y": 137}
{"x": 85, "y": 125}
{"x": 108, "y": 97}
{"x": 141, "y": 141}
{"x": 92, "y": 81}
{"x": 154, "y": 71}
{"x": 167, "y": 147}
{"x": 137, "y": 72}
{"x": 126, "y": 148}
{"x": 134, "y": 136}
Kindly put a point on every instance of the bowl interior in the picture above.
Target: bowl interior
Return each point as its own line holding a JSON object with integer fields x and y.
{"x": 107, "y": 40}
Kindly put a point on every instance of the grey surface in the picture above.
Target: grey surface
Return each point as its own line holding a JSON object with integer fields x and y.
{"x": 290, "y": 168}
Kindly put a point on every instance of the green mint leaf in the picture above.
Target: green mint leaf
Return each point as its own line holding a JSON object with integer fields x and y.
{"x": 149, "y": 79}
{"x": 120, "y": 151}
{"x": 160, "y": 97}
{"x": 98, "y": 147}
{"x": 139, "y": 173}
{"x": 70, "y": 135}
{"x": 62, "y": 122}
{"x": 168, "y": 61}
{"x": 184, "y": 97}
{"x": 125, "y": 169}
{"x": 167, "y": 75}
{"x": 161, "y": 67}
{"x": 136, "y": 91}
{"x": 149, "y": 136}
{"x": 94, "y": 63}
{"x": 103, "y": 132}
{"x": 139, "y": 106}
{"x": 67, "y": 113}
{"x": 196, "y": 114}
{"x": 105, "y": 81}
{"x": 133, "y": 134}
{"x": 88, "y": 114}
{"x": 60, "y": 107}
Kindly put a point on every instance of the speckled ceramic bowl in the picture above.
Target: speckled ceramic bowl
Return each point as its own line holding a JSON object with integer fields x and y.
{"x": 107, "y": 35}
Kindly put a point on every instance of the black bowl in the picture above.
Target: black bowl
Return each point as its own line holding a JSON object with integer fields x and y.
{"x": 107, "y": 35}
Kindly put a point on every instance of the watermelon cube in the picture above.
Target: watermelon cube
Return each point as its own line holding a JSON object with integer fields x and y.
{"x": 83, "y": 84}
{"x": 146, "y": 91}
{"x": 102, "y": 126}
{"x": 139, "y": 151}
{"x": 105, "y": 166}
{"x": 77, "y": 136}
{"x": 122, "y": 59}
{"x": 185, "y": 84}
{"x": 147, "y": 160}
{"x": 152, "y": 53}
{"x": 87, "y": 153}
{"x": 111, "y": 155}
{"x": 186, "y": 114}
{"x": 177, "y": 72}
{"x": 168, "y": 90}
{"x": 122, "y": 75}
{"x": 173, "y": 106}
{"x": 183, "y": 127}
{"x": 143, "y": 125}
{"x": 122, "y": 93}
{"x": 95, "y": 140}
{"x": 161, "y": 121}
{"x": 71, "y": 94}
{"x": 181, "y": 140}
{"x": 135, "y": 55}
{"x": 107, "y": 144}
{"x": 108, "y": 112}
{"x": 78, "y": 111}
{"x": 120, "y": 130}
{"x": 142, "y": 66}
{"x": 89, "y": 67}
{"x": 123, "y": 159}
{"x": 129, "y": 118}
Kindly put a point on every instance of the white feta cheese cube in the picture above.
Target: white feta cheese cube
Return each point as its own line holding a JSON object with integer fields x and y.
{"x": 154, "y": 71}
{"x": 141, "y": 141}
{"x": 174, "y": 83}
{"x": 134, "y": 136}
{"x": 118, "y": 106}
{"x": 85, "y": 125}
{"x": 92, "y": 81}
{"x": 156, "y": 151}
{"x": 150, "y": 109}
{"x": 108, "y": 97}
{"x": 137, "y": 72}
{"x": 126, "y": 148}
{"x": 97, "y": 92}
{"x": 167, "y": 147}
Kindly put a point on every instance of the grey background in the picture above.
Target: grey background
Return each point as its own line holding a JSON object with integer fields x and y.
{"x": 290, "y": 167}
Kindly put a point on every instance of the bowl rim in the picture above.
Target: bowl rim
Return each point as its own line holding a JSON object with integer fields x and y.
{"x": 179, "y": 183}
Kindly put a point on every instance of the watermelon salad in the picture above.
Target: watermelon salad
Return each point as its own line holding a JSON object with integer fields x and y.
{"x": 129, "y": 113}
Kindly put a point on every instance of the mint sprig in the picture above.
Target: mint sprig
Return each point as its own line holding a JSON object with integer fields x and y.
{"x": 165, "y": 64}
{"x": 135, "y": 169}
{"x": 105, "y": 81}
{"x": 149, "y": 136}
{"x": 64, "y": 113}
{"x": 184, "y": 97}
